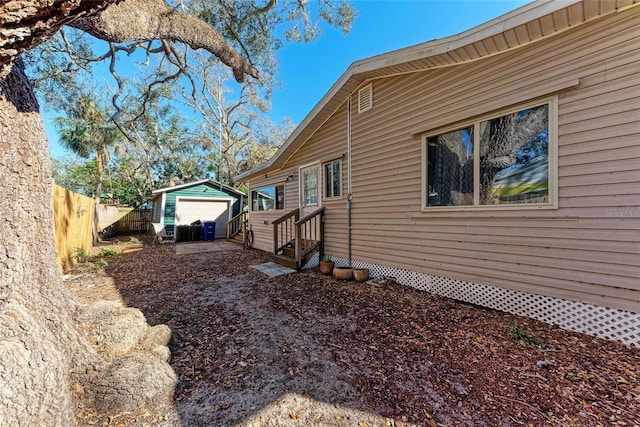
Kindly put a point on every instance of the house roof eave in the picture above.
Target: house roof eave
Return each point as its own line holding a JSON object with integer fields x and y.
{"x": 449, "y": 51}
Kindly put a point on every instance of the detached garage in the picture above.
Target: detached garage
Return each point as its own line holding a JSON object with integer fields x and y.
{"x": 203, "y": 201}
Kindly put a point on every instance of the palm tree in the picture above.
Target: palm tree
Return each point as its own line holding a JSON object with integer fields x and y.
{"x": 87, "y": 131}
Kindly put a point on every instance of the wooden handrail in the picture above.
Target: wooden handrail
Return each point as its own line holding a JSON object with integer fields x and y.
{"x": 283, "y": 218}
{"x": 283, "y": 230}
{"x": 309, "y": 235}
{"x": 238, "y": 224}
{"x": 309, "y": 216}
{"x": 305, "y": 234}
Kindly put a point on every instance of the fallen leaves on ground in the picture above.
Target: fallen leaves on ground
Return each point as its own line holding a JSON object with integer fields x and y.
{"x": 242, "y": 341}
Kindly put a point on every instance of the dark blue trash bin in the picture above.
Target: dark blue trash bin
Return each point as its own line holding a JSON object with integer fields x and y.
{"x": 209, "y": 230}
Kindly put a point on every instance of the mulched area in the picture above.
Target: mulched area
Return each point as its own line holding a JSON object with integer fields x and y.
{"x": 392, "y": 355}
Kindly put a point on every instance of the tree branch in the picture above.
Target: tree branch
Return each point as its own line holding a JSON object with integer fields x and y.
{"x": 145, "y": 20}
{"x": 270, "y": 4}
{"x": 29, "y": 23}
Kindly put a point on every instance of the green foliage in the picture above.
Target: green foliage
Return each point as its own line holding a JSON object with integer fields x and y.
{"x": 122, "y": 178}
{"x": 87, "y": 131}
{"x": 108, "y": 253}
{"x": 125, "y": 179}
{"x": 55, "y": 76}
{"x": 176, "y": 115}
{"x": 75, "y": 174}
{"x": 87, "y": 128}
{"x": 521, "y": 335}
{"x": 80, "y": 255}
{"x": 100, "y": 263}
{"x": 84, "y": 259}
{"x": 327, "y": 258}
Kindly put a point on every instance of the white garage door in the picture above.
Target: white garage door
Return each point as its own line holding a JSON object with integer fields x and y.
{"x": 188, "y": 211}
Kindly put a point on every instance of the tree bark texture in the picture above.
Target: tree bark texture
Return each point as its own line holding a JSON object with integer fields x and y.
{"x": 47, "y": 366}
{"x": 152, "y": 20}
{"x": 26, "y": 23}
{"x": 39, "y": 343}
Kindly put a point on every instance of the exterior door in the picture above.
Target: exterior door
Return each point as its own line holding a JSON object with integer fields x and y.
{"x": 310, "y": 191}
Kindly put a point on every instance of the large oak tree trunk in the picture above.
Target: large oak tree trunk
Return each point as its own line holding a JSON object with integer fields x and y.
{"x": 39, "y": 343}
{"x": 47, "y": 366}
{"x": 45, "y": 362}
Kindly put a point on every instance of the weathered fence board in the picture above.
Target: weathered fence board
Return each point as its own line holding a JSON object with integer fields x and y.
{"x": 73, "y": 219}
{"x": 136, "y": 221}
{"x": 108, "y": 215}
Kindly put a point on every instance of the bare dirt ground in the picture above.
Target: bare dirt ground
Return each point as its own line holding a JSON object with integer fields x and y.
{"x": 307, "y": 350}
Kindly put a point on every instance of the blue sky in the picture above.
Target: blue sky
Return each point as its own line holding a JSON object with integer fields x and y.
{"x": 308, "y": 70}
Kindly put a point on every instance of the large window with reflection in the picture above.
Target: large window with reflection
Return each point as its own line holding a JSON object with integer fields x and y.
{"x": 268, "y": 198}
{"x": 502, "y": 159}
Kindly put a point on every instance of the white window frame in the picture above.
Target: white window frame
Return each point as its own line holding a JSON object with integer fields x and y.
{"x": 324, "y": 179}
{"x": 552, "y": 202}
{"x": 301, "y": 190}
{"x": 275, "y": 203}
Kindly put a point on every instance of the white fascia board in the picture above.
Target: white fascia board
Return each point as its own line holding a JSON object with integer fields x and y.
{"x": 202, "y": 181}
{"x": 527, "y": 13}
{"x": 177, "y": 187}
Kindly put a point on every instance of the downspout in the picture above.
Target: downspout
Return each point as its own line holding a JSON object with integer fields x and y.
{"x": 349, "y": 195}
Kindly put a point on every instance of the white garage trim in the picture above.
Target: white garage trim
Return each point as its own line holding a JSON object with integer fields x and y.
{"x": 221, "y": 228}
{"x": 162, "y": 205}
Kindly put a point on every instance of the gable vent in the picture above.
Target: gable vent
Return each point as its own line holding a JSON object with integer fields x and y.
{"x": 365, "y": 98}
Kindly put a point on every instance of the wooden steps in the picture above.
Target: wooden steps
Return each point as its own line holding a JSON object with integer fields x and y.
{"x": 296, "y": 240}
{"x": 287, "y": 257}
{"x": 237, "y": 239}
{"x": 285, "y": 261}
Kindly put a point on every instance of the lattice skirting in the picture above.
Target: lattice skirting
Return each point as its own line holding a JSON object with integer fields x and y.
{"x": 572, "y": 315}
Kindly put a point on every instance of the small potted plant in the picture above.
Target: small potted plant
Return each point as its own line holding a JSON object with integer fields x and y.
{"x": 326, "y": 264}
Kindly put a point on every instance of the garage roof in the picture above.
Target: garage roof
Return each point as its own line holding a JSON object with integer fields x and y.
{"x": 211, "y": 182}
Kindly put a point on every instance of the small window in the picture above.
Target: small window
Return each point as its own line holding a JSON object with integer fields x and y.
{"x": 333, "y": 179}
{"x": 501, "y": 160}
{"x": 365, "y": 98}
{"x": 268, "y": 198}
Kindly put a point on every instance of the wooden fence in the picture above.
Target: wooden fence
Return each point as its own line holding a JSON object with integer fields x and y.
{"x": 108, "y": 215}
{"x": 136, "y": 221}
{"x": 73, "y": 220}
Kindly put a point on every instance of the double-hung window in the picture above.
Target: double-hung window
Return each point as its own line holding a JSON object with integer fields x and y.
{"x": 507, "y": 158}
{"x": 333, "y": 179}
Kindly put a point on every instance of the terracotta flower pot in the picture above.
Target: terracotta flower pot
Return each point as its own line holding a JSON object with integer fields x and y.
{"x": 361, "y": 274}
{"x": 326, "y": 267}
{"x": 343, "y": 273}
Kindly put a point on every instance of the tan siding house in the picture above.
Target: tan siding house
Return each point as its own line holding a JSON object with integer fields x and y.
{"x": 548, "y": 227}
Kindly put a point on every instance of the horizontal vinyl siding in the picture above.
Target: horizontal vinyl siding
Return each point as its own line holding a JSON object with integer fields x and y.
{"x": 260, "y": 222}
{"x": 329, "y": 143}
{"x": 589, "y": 248}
